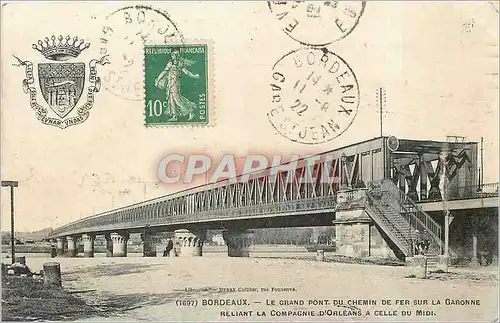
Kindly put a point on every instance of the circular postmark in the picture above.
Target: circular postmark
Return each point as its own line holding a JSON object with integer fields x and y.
{"x": 315, "y": 96}
{"x": 317, "y": 23}
{"x": 123, "y": 37}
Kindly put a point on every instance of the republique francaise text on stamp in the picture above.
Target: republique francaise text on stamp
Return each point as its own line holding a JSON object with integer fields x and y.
{"x": 177, "y": 81}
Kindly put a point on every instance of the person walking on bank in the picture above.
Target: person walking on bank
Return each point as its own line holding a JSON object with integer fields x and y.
{"x": 170, "y": 246}
{"x": 53, "y": 251}
{"x": 416, "y": 243}
{"x": 426, "y": 243}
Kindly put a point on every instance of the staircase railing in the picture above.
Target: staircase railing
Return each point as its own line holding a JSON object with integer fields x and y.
{"x": 376, "y": 211}
{"x": 389, "y": 201}
{"x": 416, "y": 217}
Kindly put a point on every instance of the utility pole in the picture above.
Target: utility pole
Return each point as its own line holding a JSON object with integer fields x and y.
{"x": 11, "y": 184}
{"x": 380, "y": 94}
{"x": 481, "y": 178}
{"x": 444, "y": 196}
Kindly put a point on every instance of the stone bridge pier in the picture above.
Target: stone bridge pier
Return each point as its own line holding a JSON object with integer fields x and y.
{"x": 88, "y": 245}
{"x": 109, "y": 245}
{"x": 149, "y": 242}
{"x": 189, "y": 243}
{"x": 71, "y": 246}
{"x": 238, "y": 242}
{"x": 120, "y": 240}
{"x": 61, "y": 244}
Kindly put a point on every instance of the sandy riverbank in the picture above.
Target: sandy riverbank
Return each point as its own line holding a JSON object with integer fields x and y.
{"x": 182, "y": 289}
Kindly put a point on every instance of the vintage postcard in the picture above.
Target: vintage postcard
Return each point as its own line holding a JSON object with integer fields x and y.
{"x": 175, "y": 161}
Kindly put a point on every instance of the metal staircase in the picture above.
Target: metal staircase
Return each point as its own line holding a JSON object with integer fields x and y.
{"x": 400, "y": 218}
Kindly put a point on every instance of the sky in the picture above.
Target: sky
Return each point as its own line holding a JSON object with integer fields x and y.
{"x": 437, "y": 61}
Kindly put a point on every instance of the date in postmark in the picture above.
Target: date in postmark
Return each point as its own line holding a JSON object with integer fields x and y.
{"x": 317, "y": 23}
{"x": 315, "y": 96}
{"x": 178, "y": 80}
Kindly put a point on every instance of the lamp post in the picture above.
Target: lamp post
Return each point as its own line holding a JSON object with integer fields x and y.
{"x": 444, "y": 196}
{"x": 11, "y": 184}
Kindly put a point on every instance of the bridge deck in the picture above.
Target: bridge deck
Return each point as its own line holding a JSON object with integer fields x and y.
{"x": 465, "y": 204}
{"x": 306, "y": 186}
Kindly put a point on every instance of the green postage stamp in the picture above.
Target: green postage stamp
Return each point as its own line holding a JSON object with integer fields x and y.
{"x": 178, "y": 84}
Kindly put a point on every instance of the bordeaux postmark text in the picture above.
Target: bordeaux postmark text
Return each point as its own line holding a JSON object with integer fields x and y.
{"x": 315, "y": 95}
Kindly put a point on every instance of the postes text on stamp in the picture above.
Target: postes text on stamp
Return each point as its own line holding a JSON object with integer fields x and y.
{"x": 177, "y": 84}
{"x": 123, "y": 36}
{"x": 61, "y": 83}
{"x": 315, "y": 96}
{"x": 317, "y": 23}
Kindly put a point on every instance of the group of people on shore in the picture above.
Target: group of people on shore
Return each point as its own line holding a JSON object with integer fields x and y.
{"x": 421, "y": 243}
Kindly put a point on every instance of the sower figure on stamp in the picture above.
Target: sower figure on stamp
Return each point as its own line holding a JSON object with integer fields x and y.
{"x": 170, "y": 80}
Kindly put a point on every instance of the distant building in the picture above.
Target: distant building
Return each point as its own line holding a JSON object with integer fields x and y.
{"x": 218, "y": 240}
{"x": 100, "y": 240}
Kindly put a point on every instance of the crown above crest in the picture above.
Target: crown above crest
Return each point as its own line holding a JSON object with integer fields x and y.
{"x": 61, "y": 48}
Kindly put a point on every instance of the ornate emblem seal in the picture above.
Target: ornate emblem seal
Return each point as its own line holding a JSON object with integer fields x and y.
{"x": 61, "y": 84}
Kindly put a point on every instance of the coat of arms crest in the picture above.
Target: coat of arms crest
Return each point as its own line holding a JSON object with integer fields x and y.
{"x": 61, "y": 83}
